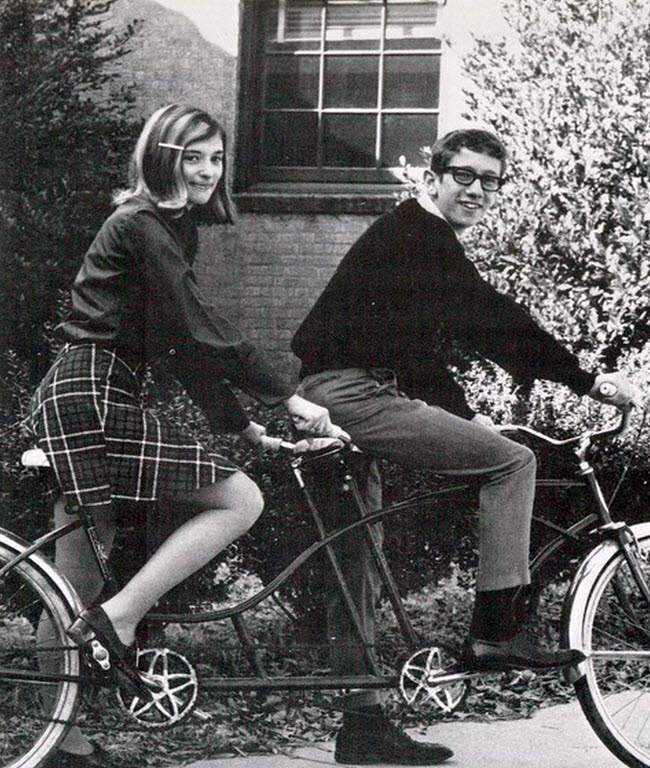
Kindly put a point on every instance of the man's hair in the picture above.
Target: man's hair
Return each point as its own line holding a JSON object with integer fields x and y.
{"x": 155, "y": 169}
{"x": 474, "y": 139}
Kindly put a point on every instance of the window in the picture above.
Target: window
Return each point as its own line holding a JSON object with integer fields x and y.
{"x": 334, "y": 91}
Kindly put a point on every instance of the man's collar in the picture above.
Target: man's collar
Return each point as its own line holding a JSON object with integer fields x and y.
{"x": 427, "y": 203}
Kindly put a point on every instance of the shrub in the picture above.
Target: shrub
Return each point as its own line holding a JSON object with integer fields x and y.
{"x": 569, "y": 92}
{"x": 67, "y": 126}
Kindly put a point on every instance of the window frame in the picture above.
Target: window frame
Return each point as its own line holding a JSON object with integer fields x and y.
{"x": 293, "y": 189}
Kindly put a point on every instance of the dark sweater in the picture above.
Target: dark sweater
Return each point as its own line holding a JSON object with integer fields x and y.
{"x": 136, "y": 293}
{"x": 404, "y": 295}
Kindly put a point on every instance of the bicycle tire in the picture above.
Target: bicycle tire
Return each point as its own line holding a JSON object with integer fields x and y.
{"x": 34, "y": 715}
{"x": 606, "y": 613}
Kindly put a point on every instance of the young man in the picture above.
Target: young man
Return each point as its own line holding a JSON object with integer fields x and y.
{"x": 375, "y": 351}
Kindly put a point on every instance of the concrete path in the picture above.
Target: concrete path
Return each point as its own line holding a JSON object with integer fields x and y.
{"x": 556, "y": 737}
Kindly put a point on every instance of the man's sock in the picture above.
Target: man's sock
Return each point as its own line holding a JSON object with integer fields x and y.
{"x": 496, "y": 617}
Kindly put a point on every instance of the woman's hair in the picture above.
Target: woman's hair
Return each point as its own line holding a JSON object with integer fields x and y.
{"x": 155, "y": 169}
{"x": 474, "y": 139}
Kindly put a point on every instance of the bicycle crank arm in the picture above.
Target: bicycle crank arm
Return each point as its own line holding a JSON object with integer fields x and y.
{"x": 456, "y": 677}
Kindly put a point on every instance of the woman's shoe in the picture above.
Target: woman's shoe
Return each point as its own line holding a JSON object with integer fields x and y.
{"x": 62, "y": 759}
{"x": 93, "y": 631}
{"x": 92, "y": 628}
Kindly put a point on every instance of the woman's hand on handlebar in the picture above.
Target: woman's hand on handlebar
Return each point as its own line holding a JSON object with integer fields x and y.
{"x": 616, "y": 389}
{"x": 313, "y": 419}
{"x": 254, "y": 433}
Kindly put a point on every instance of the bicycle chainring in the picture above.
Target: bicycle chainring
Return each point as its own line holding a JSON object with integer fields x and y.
{"x": 420, "y": 683}
{"x": 173, "y": 685}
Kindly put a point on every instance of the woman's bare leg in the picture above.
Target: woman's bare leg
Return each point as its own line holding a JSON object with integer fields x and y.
{"x": 225, "y": 511}
{"x": 75, "y": 559}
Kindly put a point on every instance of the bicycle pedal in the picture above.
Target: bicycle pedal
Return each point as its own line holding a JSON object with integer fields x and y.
{"x": 100, "y": 655}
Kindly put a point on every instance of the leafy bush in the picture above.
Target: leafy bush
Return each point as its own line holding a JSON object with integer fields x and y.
{"x": 67, "y": 128}
{"x": 569, "y": 92}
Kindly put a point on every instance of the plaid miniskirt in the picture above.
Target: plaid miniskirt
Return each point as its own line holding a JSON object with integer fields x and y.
{"x": 87, "y": 417}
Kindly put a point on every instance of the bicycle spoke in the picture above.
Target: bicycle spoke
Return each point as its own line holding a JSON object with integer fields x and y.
{"x": 34, "y": 711}
{"x": 615, "y": 693}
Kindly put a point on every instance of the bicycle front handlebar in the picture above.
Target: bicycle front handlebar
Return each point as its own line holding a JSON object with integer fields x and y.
{"x": 588, "y": 436}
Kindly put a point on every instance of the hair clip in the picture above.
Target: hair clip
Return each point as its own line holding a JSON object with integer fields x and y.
{"x": 171, "y": 146}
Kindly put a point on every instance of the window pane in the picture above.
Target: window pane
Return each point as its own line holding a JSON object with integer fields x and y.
{"x": 411, "y": 81}
{"x": 292, "y": 82}
{"x": 349, "y": 140}
{"x": 412, "y": 25}
{"x": 404, "y": 135}
{"x": 290, "y": 139}
{"x": 353, "y": 26}
{"x": 351, "y": 81}
{"x": 291, "y": 24}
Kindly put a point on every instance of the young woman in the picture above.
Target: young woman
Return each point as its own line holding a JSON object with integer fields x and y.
{"x": 135, "y": 299}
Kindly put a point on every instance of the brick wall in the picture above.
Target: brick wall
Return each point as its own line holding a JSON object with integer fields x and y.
{"x": 267, "y": 271}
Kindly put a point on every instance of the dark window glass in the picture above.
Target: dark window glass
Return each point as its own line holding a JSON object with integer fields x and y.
{"x": 292, "y": 82}
{"x": 351, "y": 81}
{"x": 411, "y": 81}
{"x": 349, "y": 140}
{"x": 290, "y": 138}
{"x": 405, "y": 134}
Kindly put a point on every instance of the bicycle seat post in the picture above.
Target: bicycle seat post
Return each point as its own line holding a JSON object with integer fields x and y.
{"x": 87, "y": 516}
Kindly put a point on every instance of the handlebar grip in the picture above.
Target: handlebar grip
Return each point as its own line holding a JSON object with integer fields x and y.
{"x": 275, "y": 444}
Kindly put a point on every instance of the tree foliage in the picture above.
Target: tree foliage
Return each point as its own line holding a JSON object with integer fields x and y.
{"x": 67, "y": 126}
{"x": 569, "y": 91}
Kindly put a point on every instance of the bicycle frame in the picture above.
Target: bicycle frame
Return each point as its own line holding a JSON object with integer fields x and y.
{"x": 325, "y": 542}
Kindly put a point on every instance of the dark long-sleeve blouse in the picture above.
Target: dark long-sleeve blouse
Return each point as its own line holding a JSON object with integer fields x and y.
{"x": 404, "y": 294}
{"x": 136, "y": 292}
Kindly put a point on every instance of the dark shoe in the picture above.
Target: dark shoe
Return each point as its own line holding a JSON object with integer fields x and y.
{"x": 62, "y": 759}
{"x": 516, "y": 653}
{"x": 93, "y": 631}
{"x": 93, "y": 627}
{"x": 383, "y": 742}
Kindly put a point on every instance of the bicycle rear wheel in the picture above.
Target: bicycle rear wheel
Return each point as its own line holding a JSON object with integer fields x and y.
{"x": 35, "y": 710}
{"x": 614, "y": 633}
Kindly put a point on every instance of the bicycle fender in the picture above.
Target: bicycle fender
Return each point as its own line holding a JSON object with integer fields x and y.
{"x": 58, "y": 580}
{"x": 581, "y": 588}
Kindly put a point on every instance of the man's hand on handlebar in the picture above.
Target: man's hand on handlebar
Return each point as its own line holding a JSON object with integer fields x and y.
{"x": 616, "y": 389}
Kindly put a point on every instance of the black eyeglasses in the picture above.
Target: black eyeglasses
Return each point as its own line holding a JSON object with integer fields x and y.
{"x": 466, "y": 177}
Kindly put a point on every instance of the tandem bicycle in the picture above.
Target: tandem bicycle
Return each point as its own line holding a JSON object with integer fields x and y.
{"x": 605, "y": 614}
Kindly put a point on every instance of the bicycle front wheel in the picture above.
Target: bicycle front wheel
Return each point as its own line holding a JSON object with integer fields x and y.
{"x": 39, "y": 667}
{"x": 610, "y": 622}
